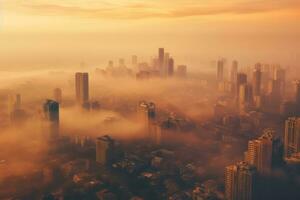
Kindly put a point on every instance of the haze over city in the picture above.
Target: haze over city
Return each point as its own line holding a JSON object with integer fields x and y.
{"x": 149, "y": 100}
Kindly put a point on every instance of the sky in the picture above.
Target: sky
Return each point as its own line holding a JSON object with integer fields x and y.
{"x": 62, "y": 33}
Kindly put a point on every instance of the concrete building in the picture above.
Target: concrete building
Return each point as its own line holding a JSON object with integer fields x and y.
{"x": 104, "y": 150}
{"x": 240, "y": 181}
{"x": 57, "y": 95}
{"x": 161, "y": 58}
{"x": 220, "y": 70}
{"x": 260, "y": 151}
{"x": 240, "y": 80}
{"x": 234, "y": 71}
{"x": 182, "y": 71}
{"x": 82, "y": 87}
{"x": 51, "y": 115}
{"x": 257, "y": 75}
{"x": 292, "y": 136}
{"x": 171, "y": 67}
{"x": 147, "y": 114}
{"x": 297, "y": 96}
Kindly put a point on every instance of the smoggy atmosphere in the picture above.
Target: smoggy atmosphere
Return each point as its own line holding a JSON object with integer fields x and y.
{"x": 149, "y": 100}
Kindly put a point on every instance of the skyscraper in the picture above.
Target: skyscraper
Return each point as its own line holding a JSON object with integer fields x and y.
{"x": 292, "y": 136}
{"x": 245, "y": 94}
{"x": 51, "y": 114}
{"x": 14, "y": 102}
{"x": 166, "y": 64}
{"x": 121, "y": 62}
{"x": 161, "y": 55}
{"x": 82, "y": 87}
{"x": 171, "y": 67}
{"x": 104, "y": 150}
{"x": 297, "y": 92}
{"x": 147, "y": 113}
{"x": 240, "y": 80}
{"x": 279, "y": 76}
{"x": 260, "y": 151}
{"x": 274, "y": 89}
{"x": 57, "y": 95}
{"x": 220, "y": 70}
{"x": 234, "y": 71}
{"x": 134, "y": 60}
{"x": 233, "y": 77}
{"x": 181, "y": 71}
{"x": 17, "y": 114}
{"x": 240, "y": 181}
{"x": 110, "y": 64}
{"x": 257, "y": 82}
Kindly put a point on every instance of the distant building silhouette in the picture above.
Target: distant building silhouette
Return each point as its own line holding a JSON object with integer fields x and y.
{"x": 14, "y": 102}
{"x": 82, "y": 87}
{"x": 241, "y": 79}
{"x": 51, "y": 114}
{"x": 181, "y": 71}
{"x": 297, "y": 98}
{"x": 234, "y": 71}
{"x": 161, "y": 58}
{"x": 257, "y": 75}
{"x": 171, "y": 67}
{"x": 220, "y": 70}
{"x": 104, "y": 150}
{"x": 57, "y": 95}
{"x": 147, "y": 114}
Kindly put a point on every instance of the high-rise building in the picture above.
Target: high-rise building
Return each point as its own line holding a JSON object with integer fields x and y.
{"x": 134, "y": 60}
{"x": 245, "y": 98}
{"x": 240, "y": 80}
{"x": 110, "y": 64}
{"x": 104, "y": 150}
{"x": 297, "y": 92}
{"x": 57, "y": 95}
{"x": 181, "y": 71}
{"x": 121, "y": 62}
{"x": 17, "y": 114}
{"x": 274, "y": 89}
{"x": 257, "y": 75}
{"x": 260, "y": 151}
{"x": 245, "y": 94}
{"x": 147, "y": 113}
{"x": 220, "y": 70}
{"x": 258, "y": 67}
{"x": 161, "y": 55}
{"x": 82, "y": 87}
{"x": 171, "y": 67}
{"x": 234, "y": 71}
{"x": 166, "y": 64}
{"x": 240, "y": 180}
{"x": 51, "y": 114}
{"x": 266, "y": 76}
{"x": 14, "y": 102}
{"x": 292, "y": 136}
{"x": 279, "y": 76}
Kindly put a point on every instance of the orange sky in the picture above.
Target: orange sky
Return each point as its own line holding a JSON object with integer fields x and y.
{"x": 71, "y": 30}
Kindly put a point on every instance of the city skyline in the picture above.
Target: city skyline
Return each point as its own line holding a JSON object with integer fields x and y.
{"x": 257, "y": 35}
{"x": 149, "y": 100}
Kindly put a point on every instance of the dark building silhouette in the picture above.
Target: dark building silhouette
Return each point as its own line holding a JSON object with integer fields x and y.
{"x": 220, "y": 70}
{"x": 57, "y": 95}
{"x": 82, "y": 87}
{"x": 161, "y": 55}
{"x": 257, "y": 75}
{"x": 171, "y": 67}
{"x": 51, "y": 114}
